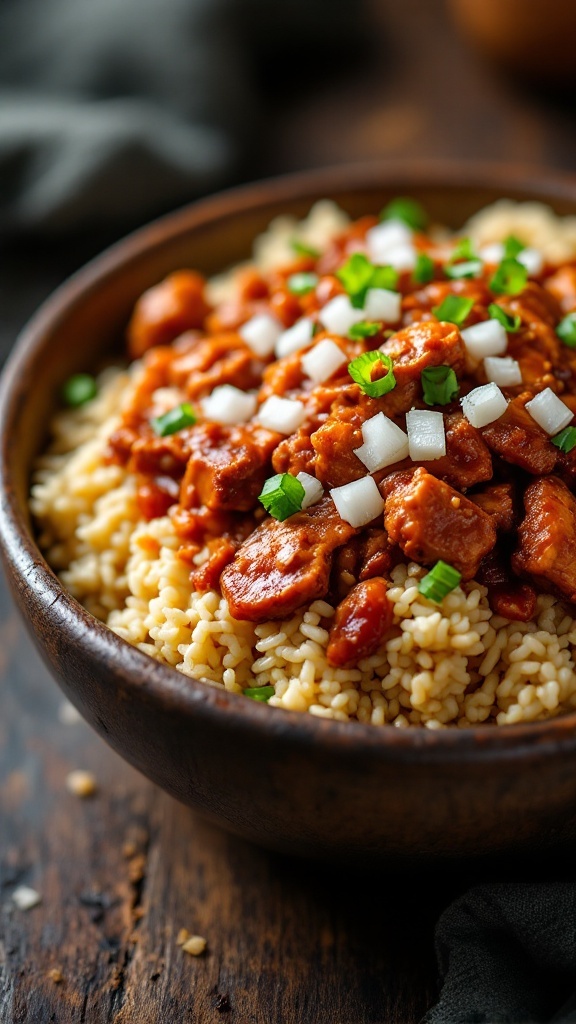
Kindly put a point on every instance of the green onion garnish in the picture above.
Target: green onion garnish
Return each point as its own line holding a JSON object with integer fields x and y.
{"x": 360, "y": 369}
{"x": 566, "y": 439}
{"x": 358, "y": 274}
{"x": 79, "y": 389}
{"x": 282, "y": 496}
{"x": 439, "y": 385}
{"x": 261, "y": 693}
{"x": 174, "y": 420}
{"x": 439, "y": 581}
{"x": 510, "y": 277}
{"x": 408, "y": 210}
{"x": 454, "y": 309}
{"x": 464, "y": 251}
{"x": 566, "y": 330}
{"x": 365, "y": 329}
{"x": 469, "y": 268}
{"x": 512, "y": 246}
{"x": 303, "y": 249}
{"x": 509, "y": 323}
{"x": 424, "y": 269}
{"x": 301, "y": 284}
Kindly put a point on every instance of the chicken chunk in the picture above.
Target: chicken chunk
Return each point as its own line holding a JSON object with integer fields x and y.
{"x": 547, "y": 537}
{"x": 227, "y": 466}
{"x": 518, "y": 439}
{"x": 431, "y": 521}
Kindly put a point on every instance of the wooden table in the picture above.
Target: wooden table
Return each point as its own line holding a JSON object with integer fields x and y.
{"x": 122, "y": 872}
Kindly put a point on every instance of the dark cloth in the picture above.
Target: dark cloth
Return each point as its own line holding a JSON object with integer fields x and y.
{"x": 112, "y": 110}
{"x": 507, "y": 955}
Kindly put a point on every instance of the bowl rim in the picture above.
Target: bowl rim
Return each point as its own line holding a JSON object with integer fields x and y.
{"x": 139, "y": 673}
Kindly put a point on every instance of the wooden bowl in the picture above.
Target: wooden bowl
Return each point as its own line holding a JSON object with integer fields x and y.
{"x": 285, "y": 780}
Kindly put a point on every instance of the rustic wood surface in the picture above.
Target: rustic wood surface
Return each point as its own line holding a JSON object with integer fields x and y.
{"x": 122, "y": 872}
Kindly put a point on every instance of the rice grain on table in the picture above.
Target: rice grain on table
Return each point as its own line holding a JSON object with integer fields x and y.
{"x": 454, "y": 664}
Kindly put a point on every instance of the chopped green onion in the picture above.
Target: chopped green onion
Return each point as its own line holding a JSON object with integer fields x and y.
{"x": 509, "y": 322}
{"x": 510, "y": 277}
{"x": 358, "y": 274}
{"x": 464, "y": 251}
{"x": 261, "y": 693}
{"x": 174, "y": 420}
{"x": 454, "y": 309}
{"x": 282, "y": 496}
{"x": 303, "y": 249}
{"x": 79, "y": 389}
{"x": 566, "y": 439}
{"x": 365, "y": 329}
{"x": 424, "y": 269}
{"x": 360, "y": 369}
{"x": 512, "y": 246}
{"x": 566, "y": 330}
{"x": 301, "y": 284}
{"x": 408, "y": 210}
{"x": 469, "y": 268}
{"x": 439, "y": 385}
{"x": 439, "y": 581}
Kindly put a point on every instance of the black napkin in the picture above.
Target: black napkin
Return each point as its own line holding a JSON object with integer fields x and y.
{"x": 507, "y": 955}
{"x": 112, "y": 110}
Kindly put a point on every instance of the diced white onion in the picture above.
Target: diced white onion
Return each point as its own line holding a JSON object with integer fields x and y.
{"x": 532, "y": 260}
{"x": 401, "y": 257}
{"x": 294, "y": 338}
{"x": 359, "y": 502}
{"x": 261, "y": 333}
{"x": 492, "y": 253}
{"x": 382, "y": 304}
{"x": 383, "y": 237}
{"x": 549, "y": 411}
{"x": 488, "y": 338}
{"x": 483, "y": 405}
{"x": 505, "y": 371}
{"x": 323, "y": 360}
{"x": 282, "y": 414}
{"x": 229, "y": 405}
{"x": 339, "y": 315}
{"x": 426, "y": 435}
{"x": 313, "y": 489}
{"x": 384, "y": 443}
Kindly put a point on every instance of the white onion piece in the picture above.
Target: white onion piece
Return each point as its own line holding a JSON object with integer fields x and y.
{"x": 294, "y": 338}
{"x": 549, "y": 412}
{"x": 532, "y": 260}
{"x": 229, "y": 405}
{"x": 492, "y": 253}
{"x": 483, "y": 405}
{"x": 505, "y": 372}
{"x": 313, "y": 489}
{"x": 323, "y": 360}
{"x": 426, "y": 435}
{"x": 401, "y": 257}
{"x": 282, "y": 414}
{"x": 359, "y": 502}
{"x": 382, "y": 304}
{"x": 383, "y": 237}
{"x": 261, "y": 333}
{"x": 384, "y": 443}
{"x": 339, "y": 315}
{"x": 488, "y": 338}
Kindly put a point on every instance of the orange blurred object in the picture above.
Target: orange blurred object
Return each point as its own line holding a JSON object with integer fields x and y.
{"x": 535, "y": 38}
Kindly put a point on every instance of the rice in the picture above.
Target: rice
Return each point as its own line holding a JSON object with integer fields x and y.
{"x": 454, "y": 664}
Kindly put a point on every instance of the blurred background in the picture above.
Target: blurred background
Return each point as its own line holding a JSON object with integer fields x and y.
{"x": 114, "y": 111}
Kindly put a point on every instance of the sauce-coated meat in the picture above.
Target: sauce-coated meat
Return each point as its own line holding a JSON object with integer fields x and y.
{"x": 508, "y": 596}
{"x": 562, "y": 285}
{"x": 168, "y": 309}
{"x": 498, "y": 502}
{"x": 431, "y": 521}
{"x": 423, "y": 344}
{"x": 227, "y": 466}
{"x": 517, "y": 439}
{"x": 282, "y": 566}
{"x": 547, "y": 537}
{"x": 361, "y": 621}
